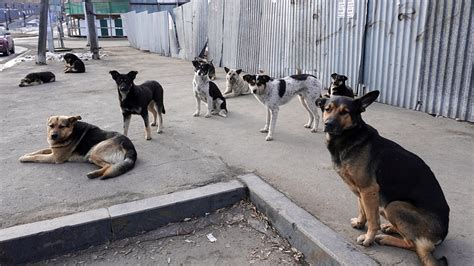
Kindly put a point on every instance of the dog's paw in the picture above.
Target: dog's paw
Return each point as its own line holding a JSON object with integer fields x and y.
{"x": 153, "y": 124}
{"x": 94, "y": 174}
{"x": 314, "y": 130}
{"x": 147, "y": 138}
{"x": 196, "y": 114}
{"x": 269, "y": 138}
{"x": 388, "y": 228}
{"x": 357, "y": 224}
{"x": 380, "y": 239}
{"x": 207, "y": 115}
{"x": 307, "y": 125}
{"x": 264, "y": 130}
{"x": 364, "y": 240}
{"x": 24, "y": 158}
{"x": 159, "y": 131}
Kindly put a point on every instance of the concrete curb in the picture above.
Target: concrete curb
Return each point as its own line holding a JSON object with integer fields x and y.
{"x": 45, "y": 239}
{"x": 320, "y": 244}
{"x": 40, "y": 240}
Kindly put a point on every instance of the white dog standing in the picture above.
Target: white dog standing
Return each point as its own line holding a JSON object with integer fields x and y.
{"x": 275, "y": 92}
{"x": 235, "y": 84}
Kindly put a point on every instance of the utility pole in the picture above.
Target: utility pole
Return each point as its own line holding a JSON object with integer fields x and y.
{"x": 92, "y": 34}
{"x": 6, "y": 19}
{"x": 43, "y": 25}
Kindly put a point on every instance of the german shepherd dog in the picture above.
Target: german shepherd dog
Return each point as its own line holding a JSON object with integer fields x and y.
{"x": 73, "y": 64}
{"x": 139, "y": 99}
{"x": 72, "y": 140}
{"x": 384, "y": 175}
{"x": 37, "y": 78}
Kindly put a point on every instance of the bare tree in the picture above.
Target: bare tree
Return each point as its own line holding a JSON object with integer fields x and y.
{"x": 94, "y": 42}
{"x": 43, "y": 24}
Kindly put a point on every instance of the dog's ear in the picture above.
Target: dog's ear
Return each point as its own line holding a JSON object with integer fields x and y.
{"x": 343, "y": 77}
{"x": 238, "y": 71}
{"x": 321, "y": 102}
{"x": 132, "y": 74}
{"x": 114, "y": 74}
{"x": 196, "y": 63}
{"x": 248, "y": 78}
{"x": 334, "y": 75}
{"x": 73, "y": 119}
{"x": 266, "y": 78}
{"x": 226, "y": 70}
{"x": 367, "y": 99}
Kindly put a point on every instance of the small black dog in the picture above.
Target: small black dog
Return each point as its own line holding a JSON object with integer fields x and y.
{"x": 212, "y": 69}
{"x": 73, "y": 64}
{"x": 37, "y": 78}
{"x": 139, "y": 99}
{"x": 338, "y": 86}
{"x": 387, "y": 179}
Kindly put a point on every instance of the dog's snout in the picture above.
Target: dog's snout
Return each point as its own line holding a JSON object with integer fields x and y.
{"x": 329, "y": 125}
{"x": 54, "y": 136}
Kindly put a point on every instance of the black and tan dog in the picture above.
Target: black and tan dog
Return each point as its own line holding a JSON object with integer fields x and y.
{"x": 73, "y": 140}
{"x": 139, "y": 99}
{"x": 339, "y": 87}
{"x": 37, "y": 78}
{"x": 73, "y": 64}
{"x": 383, "y": 174}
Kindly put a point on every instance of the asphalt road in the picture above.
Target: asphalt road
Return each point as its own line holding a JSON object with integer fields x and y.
{"x": 193, "y": 151}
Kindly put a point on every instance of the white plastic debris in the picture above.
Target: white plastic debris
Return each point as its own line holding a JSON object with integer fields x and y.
{"x": 211, "y": 238}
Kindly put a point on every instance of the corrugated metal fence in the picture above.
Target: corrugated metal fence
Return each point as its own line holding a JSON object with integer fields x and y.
{"x": 417, "y": 61}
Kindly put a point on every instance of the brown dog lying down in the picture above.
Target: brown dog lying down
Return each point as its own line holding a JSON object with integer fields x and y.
{"x": 72, "y": 140}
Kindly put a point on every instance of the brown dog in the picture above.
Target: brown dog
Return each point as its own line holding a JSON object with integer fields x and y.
{"x": 384, "y": 175}
{"x": 72, "y": 140}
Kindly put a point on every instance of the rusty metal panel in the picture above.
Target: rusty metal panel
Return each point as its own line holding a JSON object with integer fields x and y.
{"x": 446, "y": 78}
{"x": 393, "y": 60}
{"x": 215, "y": 28}
{"x": 249, "y": 37}
{"x": 199, "y": 26}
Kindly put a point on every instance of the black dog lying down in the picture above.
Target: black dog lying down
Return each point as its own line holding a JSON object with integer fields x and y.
{"x": 139, "y": 99}
{"x": 385, "y": 177}
{"x": 73, "y": 64}
{"x": 37, "y": 78}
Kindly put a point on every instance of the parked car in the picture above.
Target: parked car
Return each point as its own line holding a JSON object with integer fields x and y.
{"x": 7, "y": 46}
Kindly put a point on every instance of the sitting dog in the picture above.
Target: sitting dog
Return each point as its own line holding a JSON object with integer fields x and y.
{"x": 139, "y": 99}
{"x": 235, "y": 84}
{"x": 37, "y": 78}
{"x": 338, "y": 86}
{"x": 72, "y": 140}
{"x": 384, "y": 175}
{"x": 73, "y": 64}
{"x": 212, "y": 69}
{"x": 207, "y": 91}
{"x": 275, "y": 92}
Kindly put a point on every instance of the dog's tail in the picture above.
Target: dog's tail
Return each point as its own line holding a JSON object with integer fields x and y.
{"x": 127, "y": 164}
{"x": 424, "y": 247}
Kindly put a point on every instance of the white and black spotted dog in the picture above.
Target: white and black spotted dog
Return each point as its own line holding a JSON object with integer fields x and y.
{"x": 275, "y": 92}
{"x": 207, "y": 91}
{"x": 235, "y": 84}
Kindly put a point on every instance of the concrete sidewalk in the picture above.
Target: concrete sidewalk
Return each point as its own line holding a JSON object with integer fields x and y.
{"x": 193, "y": 151}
